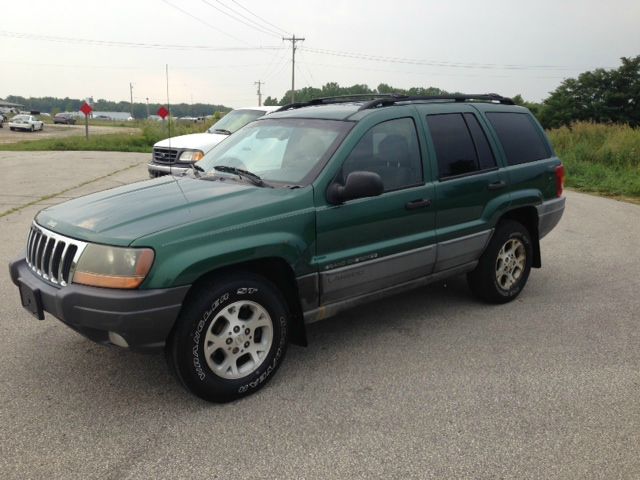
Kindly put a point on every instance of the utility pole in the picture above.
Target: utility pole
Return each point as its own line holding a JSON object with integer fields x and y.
{"x": 147, "y": 107}
{"x": 131, "y": 91}
{"x": 259, "y": 92}
{"x": 293, "y": 41}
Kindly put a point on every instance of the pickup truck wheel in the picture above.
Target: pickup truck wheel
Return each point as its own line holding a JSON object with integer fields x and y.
{"x": 504, "y": 267}
{"x": 230, "y": 338}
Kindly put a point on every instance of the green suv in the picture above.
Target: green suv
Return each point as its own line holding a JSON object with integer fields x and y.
{"x": 306, "y": 212}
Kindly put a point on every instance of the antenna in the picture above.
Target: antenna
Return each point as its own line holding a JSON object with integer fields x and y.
{"x": 166, "y": 69}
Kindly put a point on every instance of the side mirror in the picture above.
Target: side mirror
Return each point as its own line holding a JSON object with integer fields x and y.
{"x": 358, "y": 185}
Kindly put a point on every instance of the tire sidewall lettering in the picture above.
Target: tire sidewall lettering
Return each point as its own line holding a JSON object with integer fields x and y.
{"x": 197, "y": 335}
{"x": 201, "y": 371}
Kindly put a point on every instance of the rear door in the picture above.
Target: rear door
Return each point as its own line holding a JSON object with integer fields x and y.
{"x": 530, "y": 161}
{"x": 471, "y": 183}
{"x": 368, "y": 244}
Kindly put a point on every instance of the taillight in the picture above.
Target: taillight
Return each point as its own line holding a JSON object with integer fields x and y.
{"x": 559, "y": 180}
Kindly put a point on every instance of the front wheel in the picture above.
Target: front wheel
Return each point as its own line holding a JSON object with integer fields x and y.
{"x": 504, "y": 267}
{"x": 230, "y": 338}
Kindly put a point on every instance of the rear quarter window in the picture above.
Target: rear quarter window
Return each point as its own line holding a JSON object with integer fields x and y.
{"x": 519, "y": 136}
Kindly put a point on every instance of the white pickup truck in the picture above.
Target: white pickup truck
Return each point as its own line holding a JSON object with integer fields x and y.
{"x": 176, "y": 154}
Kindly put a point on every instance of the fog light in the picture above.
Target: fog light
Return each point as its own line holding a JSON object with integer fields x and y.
{"x": 118, "y": 340}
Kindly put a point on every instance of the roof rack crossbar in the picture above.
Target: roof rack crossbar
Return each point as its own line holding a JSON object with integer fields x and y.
{"x": 339, "y": 99}
{"x": 485, "y": 97}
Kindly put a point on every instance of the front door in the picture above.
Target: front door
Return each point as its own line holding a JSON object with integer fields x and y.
{"x": 368, "y": 244}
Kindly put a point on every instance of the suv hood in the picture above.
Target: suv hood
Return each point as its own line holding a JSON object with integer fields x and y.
{"x": 196, "y": 141}
{"x": 121, "y": 215}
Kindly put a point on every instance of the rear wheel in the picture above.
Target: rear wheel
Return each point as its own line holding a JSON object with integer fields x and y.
{"x": 230, "y": 338}
{"x": 504, "y": 267}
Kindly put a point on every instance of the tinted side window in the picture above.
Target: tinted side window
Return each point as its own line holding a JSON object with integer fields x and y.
{"x": 486, "y": 159}
{"x": 520, "y": 139}
{"x": 454, "y": 148}
{"x": 391, "y": 150}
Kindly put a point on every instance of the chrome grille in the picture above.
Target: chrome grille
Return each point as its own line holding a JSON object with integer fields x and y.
{"x": 165, "y": 155}
{"x": 52, "y": 256}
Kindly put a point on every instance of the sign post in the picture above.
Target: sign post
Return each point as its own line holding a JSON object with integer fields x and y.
{"x": 163, "y": 113}
{"x": 86, "y": 109}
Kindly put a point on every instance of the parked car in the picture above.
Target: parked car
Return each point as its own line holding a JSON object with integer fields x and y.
{"x": 25, "y": 122}
{"x": 297, "y": 216}
{"x": 177, "y": 154}
{"x": 64, "y": 118}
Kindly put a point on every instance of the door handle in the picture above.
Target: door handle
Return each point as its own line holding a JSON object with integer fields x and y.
{"x": 421, "y": 203}
{"x": 497, "y": 185}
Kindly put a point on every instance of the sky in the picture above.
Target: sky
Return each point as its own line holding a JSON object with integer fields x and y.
{"x": 216, "y": 49}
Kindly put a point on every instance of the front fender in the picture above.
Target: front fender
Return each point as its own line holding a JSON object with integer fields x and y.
{"x": 193, "y": 264}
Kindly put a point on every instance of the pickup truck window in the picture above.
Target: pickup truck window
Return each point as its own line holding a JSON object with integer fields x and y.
{"x": 520, "y": 139}
{"x": 235, "y": 120}
{"x": 391, "y": 150}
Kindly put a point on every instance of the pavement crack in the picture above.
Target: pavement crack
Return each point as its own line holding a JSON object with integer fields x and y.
{"x": 57, "y": 194}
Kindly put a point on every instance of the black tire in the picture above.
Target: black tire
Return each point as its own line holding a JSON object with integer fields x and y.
{"x": 11, "y": 128}
{"x": 485, "y": 281}
{"x": 204, "y": 309}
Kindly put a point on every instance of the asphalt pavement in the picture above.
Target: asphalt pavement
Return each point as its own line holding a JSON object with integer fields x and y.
{"x": 427, "y": 384}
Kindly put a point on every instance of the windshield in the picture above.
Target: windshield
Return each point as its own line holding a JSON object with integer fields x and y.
{"x": 20, "y": 118}
{"x": 290, "y": 151}
{"x": 235, "y": 120}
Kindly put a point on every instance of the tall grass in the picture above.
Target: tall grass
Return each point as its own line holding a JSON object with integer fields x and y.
{"x": 600, "y": 158}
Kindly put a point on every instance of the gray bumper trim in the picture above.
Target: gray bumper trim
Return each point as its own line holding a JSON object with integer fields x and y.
{"x": 549, "y": 214}
{"x": 143, "y": 318}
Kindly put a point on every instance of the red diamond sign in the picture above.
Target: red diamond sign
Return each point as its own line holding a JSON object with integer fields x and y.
{"x": 86, "y": 109}
{"x": 163, "y": 112}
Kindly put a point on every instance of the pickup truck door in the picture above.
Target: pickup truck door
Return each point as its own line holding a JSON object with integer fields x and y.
{"x": 368, "y": 244}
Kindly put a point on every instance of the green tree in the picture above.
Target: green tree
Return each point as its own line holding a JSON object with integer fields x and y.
{"x": 601, "y": 96}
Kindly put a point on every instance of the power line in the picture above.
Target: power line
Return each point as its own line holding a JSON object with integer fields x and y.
{"x": 253, "y": 24}
{"x": 216, "y": 29}
{"x": 404, "y": 72}
{"x": 260, "y": 18}
{"x": 435, "y": 63}
{"x": 113, "y": 43}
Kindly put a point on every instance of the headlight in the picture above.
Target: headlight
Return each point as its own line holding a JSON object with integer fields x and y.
{"x": 191, "y": 156}
{"x": 113, "y": 267}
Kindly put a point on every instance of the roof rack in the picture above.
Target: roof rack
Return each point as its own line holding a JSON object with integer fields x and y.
{"x": 387, "y": 99}
{"x": 482, "y": 97}
{"x": 340, "y": 99}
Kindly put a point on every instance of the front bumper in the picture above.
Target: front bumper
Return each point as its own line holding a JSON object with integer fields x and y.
{"x": 143, "y": 318}
{"x": 157, "y": 170}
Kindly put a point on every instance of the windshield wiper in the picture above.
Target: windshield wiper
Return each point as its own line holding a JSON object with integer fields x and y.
{"x": 222, "y": 130}
{"x": 252, "y": 177}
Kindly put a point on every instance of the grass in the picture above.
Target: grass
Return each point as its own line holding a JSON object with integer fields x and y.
{"x": 598, "y": 158}
{"x": 150, "y": 133}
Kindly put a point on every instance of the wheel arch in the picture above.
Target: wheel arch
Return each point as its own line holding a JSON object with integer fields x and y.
{"x": 276, "y": 270}
{"x": 527, "y": 216}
